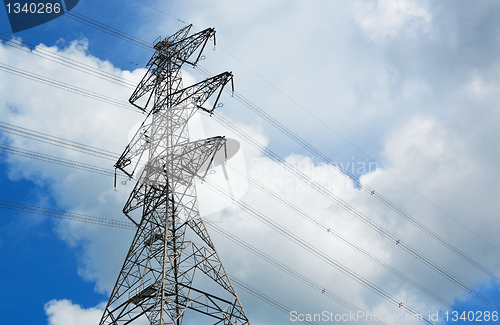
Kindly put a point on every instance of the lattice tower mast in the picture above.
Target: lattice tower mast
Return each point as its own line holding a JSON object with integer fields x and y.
{"x": 156, "y": 284}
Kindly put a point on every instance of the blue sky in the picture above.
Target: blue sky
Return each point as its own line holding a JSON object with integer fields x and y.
{"x": 412, "y": 85}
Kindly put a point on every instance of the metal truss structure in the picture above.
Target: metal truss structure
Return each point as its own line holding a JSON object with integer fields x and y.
{"x": 157, "y": 283}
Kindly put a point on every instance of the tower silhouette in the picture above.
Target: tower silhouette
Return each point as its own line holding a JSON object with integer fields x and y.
{"x": 157, "y": 282}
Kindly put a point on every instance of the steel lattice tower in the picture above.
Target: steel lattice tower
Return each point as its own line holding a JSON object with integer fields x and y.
{"x": 157, "y": 283}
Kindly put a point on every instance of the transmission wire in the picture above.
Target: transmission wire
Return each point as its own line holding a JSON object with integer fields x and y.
{"x": 56, "y": 141}
{"x": 284, "y": 232}
{"x": 65, "y": 61}
{"x": 107, "y": 29}
{"x": 20, "y": 207}
{"x": 355, "y": 180}
{"x": 310, "y": 248}
{"x": 114, "y": 32}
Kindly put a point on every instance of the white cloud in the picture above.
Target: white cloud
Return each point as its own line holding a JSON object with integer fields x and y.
{"x": 441, "y": 142}
{"x": 64, "y": 312}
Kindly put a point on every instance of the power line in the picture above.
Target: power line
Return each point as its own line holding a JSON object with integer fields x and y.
{"x": 262, "y": 218}
{"x": 104, "y": 28}
{"x": 57, "y": 141}
{"x": 65, "y": 61}
{"x": 323, "y": 157}
{"x": 356, "y": 181}
{"x": 108, "y": 30}
{"x": 398, "y": 240}
{"x": 301, "y": 213}
{"x": 20, "y": 207}
{"x": 391, "y": 237}
{"x": 400, "y": 305}
{"x": 156, "y": 9}
{"x": 394, "y": 239}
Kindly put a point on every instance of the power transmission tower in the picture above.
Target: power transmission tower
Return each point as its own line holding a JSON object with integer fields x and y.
{"x": 157, "y": 283}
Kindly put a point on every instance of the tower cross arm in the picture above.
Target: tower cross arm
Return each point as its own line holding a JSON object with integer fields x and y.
{"x": 184, "y": 48}
{"x": 156, "y": 284}
{"x": 193, "y": 96}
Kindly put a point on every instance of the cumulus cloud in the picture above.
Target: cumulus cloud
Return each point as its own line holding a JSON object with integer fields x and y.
{"x": 439, "y": 139}
{"x": 384, "y": 19}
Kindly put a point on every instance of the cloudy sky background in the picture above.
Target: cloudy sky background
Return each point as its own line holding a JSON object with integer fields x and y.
{"x": 412, "y": 85}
